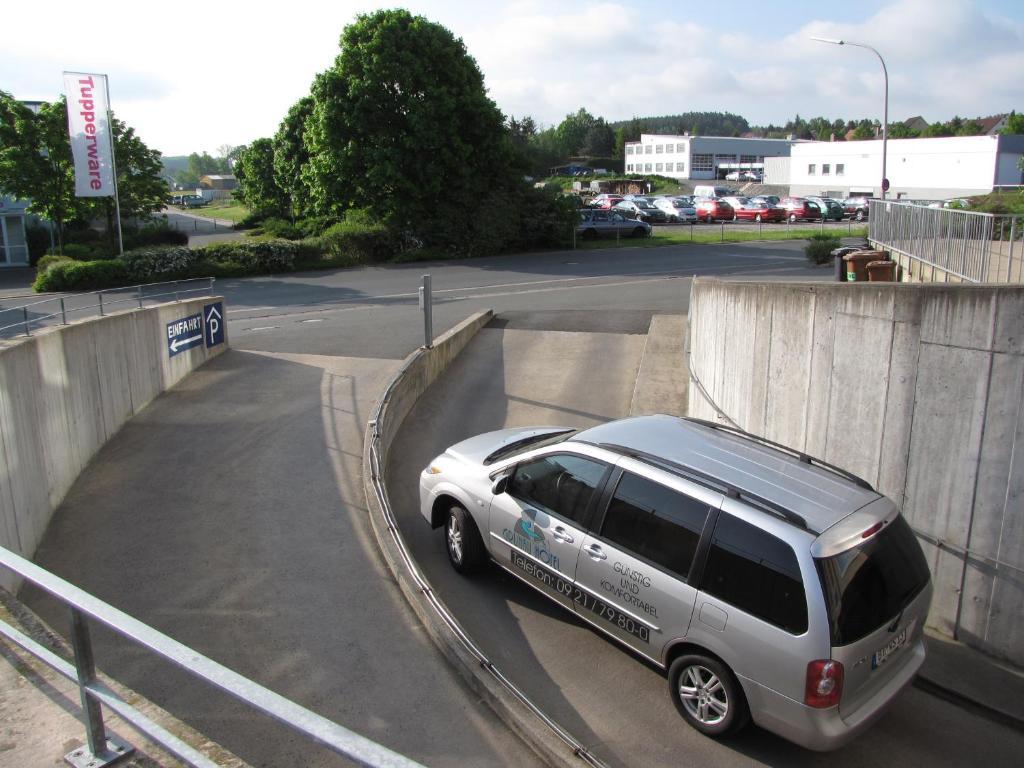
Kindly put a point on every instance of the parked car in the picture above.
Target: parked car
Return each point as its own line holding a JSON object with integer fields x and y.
{"x": 768, "y": 585}
{"x": 831, "y": 210}
{"x": 605, "y": 201}
{"x": 641, "y": 209}
{"x": 800, "y": 209}
{"x": 755, "y": 210}
{"x": 679, "y": 209}
{"x": 713, "y": 209}
{"x": 769, "y": 199}
{"x": 193, "y": 201}
{"x": 604, "y": 223}
{"x": 743, "y": 176}
{"x": 856, "y": 207}
{"x": 736, "y": 201}
{"x": 705, "y": 190}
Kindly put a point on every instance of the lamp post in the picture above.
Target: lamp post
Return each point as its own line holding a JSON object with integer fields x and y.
{"x": 885, "y": 118}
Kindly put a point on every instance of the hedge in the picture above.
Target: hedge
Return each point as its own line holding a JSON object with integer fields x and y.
{"x": 81, "y": 275}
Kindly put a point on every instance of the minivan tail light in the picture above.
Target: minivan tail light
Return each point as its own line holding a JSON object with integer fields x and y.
{"x": 824, "y": 683}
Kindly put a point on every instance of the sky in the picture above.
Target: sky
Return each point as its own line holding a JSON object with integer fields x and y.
{"x": 197, "y": 77}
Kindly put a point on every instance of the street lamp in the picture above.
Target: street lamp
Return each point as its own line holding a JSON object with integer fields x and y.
{"x": 885, "y": 118}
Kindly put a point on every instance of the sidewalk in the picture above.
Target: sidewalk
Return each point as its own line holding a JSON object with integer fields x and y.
{"x": 16, "y": 281}
{"x": 969, "y": 678}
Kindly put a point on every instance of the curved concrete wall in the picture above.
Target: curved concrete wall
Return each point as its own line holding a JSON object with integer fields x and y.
{"x": 917, "y": 388}
{"x": 64, "y": 392}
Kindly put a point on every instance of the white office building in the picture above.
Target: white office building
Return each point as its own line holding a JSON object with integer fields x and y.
{"x": 942, "y": 168}
{"x": 700, "y": 157}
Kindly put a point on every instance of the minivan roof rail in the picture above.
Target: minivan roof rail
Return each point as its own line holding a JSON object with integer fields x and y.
{"x": 708, "y": 481}
{"x": 803, "y": 457}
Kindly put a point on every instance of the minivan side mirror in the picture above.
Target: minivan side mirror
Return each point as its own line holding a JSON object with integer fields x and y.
{"x": 500, "y": 484}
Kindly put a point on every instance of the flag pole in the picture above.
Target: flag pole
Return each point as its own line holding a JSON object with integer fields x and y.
{"x": 113, "y": 164}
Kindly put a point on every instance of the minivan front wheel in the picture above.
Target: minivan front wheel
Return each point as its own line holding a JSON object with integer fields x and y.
{"x": 707, "y": 695}
{"x": 462, "y": 539}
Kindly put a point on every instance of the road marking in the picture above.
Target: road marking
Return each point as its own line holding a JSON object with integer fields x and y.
{"x": 263, "y": 328}
{"x": 313, "y": 320}
{"x": 248, "y": 309}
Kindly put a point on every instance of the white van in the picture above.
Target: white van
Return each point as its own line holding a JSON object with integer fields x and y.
{"x": 710, "y": 191}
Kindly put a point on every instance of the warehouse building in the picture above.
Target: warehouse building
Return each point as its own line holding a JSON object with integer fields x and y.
{"x": 700, "y": 157}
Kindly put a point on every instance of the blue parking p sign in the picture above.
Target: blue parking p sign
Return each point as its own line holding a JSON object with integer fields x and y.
{"x": 184, "y": 334}
{"x": 213, "y": 324}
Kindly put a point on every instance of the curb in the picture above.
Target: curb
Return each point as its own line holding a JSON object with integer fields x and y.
{"x": 545, "y": 738}
{"x": 968, "y": 703}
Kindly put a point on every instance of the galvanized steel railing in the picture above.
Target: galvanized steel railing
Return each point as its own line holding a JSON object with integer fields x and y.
{"x": 15, "y": 321}
{"x": 962, "y": 245}
{"x": 102, "y": 750}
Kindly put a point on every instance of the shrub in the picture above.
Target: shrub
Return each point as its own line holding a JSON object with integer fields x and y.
{"x": 84, "y": 251}
{"x": 281, "y": 228}
{"x": 150, "y": 265}
{"x": 50, "y": 259}
{"x": 359, "y": 243}
{"x": 256, "y": 256}
{"x": 820, "y": 246}
{"x": 81, "y": 276}
{"x": 154, "y": 233}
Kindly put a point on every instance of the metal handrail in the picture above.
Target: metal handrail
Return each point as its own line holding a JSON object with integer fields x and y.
{"x": 85, "y": 606}
{"x": 140, "y": 296}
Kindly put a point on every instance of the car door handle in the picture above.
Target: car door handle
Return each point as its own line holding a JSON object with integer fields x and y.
{"x": 596, "y": 552}
{"x": 559, "y": 534}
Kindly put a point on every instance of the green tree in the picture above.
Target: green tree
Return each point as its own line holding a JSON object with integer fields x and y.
{"x": 402, "y": 125}
{"x": 599, "y": 141}
{"x": 937, "y": 130}
{"x": 291, "y": 156}
{"x": 864, "y": 131}
{"x": 257, "y": 186}
{"x": 970, "y": 128}
{"x": 901, "y": 131}
{"x": 572, "y": 131}
{"x": 1014, "y": 125}
{"x": 36, "y": 163}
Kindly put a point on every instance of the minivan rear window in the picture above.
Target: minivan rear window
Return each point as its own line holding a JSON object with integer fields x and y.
{"x": 866, "y": 587}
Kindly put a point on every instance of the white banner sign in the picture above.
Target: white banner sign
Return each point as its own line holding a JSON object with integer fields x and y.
{"x": 89, "y": 128}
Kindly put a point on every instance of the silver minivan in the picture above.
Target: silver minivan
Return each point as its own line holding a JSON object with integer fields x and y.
{"x": 769, "y": 585}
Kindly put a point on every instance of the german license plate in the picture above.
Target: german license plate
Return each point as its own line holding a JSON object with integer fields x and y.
{"x": 889, "y": 648}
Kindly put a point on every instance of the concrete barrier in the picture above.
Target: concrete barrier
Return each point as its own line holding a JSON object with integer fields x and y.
{"x": 546, "y": 738}
{"x": 917, "y": 388}
{"x": 64, "y": 392}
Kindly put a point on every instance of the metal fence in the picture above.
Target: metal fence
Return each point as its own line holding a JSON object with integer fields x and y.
{"x": 60, "y": 310}
{"x": 949, "y": 245}
{"x": 102, "y": 749}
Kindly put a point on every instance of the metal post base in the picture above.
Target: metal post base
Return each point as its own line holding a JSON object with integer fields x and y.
{"x": 83, "y": 758}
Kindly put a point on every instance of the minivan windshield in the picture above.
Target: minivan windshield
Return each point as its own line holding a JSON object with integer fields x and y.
{"x": 869, "y": 585}
{"x": 528, "y": 443}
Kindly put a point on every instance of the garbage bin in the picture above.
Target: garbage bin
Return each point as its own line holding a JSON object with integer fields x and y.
{"x": 881, "y": 271}
{"x": 856, "y": 265}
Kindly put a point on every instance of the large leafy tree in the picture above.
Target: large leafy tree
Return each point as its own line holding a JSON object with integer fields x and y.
{"x": 257, "y": 187}
{"x": 35, "y": 160}
{"x": 291, "y": 156}
{"x": 402, "y": 125}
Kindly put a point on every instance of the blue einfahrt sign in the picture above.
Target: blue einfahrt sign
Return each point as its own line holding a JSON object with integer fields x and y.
{"x": 184, "y": 334}
{"x": 213, "y": 324}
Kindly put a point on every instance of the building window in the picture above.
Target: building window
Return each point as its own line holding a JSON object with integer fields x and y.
{"x": 812, "y": 169}
{"x": 681, "y": 167}
{"x": 680, "y": 147}
{"x": 840, "y": 169}
{"x": 659, "y": 149}
{"x": 648, "y": 149}
{"x": 701, "y": 163}
{"x": 659, "y": 167}
{"x": 647, "y": 167}
{"x": 629, "y": 149}
{"x": 629, "y": 167}
{"x": 748, "y": 158}
{"x": 826, "y": 169}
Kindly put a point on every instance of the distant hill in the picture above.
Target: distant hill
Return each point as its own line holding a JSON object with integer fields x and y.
{"x": 697, "y": 123}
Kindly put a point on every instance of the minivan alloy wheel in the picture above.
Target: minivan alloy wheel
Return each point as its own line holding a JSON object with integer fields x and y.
{"x": 703, "y": 695}
{"x": 454, "y": 536}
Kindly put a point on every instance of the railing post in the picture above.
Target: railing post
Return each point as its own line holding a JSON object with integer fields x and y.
{"x": 85, "y": 666}
{"x": 139, "y": 291}
{"x": 63, "y": 312}
{"x": 28, "y": 328}
{"x": 1009, "y": 254}
{"x": 427, "y": 303}
{"x": 100, "y": 294}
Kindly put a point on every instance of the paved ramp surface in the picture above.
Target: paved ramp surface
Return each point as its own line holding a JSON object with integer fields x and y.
{"x": 232, "y": 510}
{"x": 516, "y": 373}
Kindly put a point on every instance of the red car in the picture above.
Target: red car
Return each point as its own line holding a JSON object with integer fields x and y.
{"x": 800, "y": 209}
{"x": 712, "y": 210}
{"x": 604, "y": 202}
{"x": 757, "y": 211}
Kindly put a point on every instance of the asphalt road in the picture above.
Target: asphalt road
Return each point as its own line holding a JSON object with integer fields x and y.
{"x": 229, "y": 514}
{"x": 514, "y": 374}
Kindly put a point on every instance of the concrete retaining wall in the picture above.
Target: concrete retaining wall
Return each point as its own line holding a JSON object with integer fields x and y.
{"x": 64, "y": 392}
{"x": 917, "y": 388}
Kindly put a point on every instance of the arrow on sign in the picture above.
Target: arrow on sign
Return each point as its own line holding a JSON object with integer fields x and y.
{"x": 174, "y": 345}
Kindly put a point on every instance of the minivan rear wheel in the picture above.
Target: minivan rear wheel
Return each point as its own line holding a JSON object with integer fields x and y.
{"x": 462, "y": 540}
{"x": 707, "y": 695}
